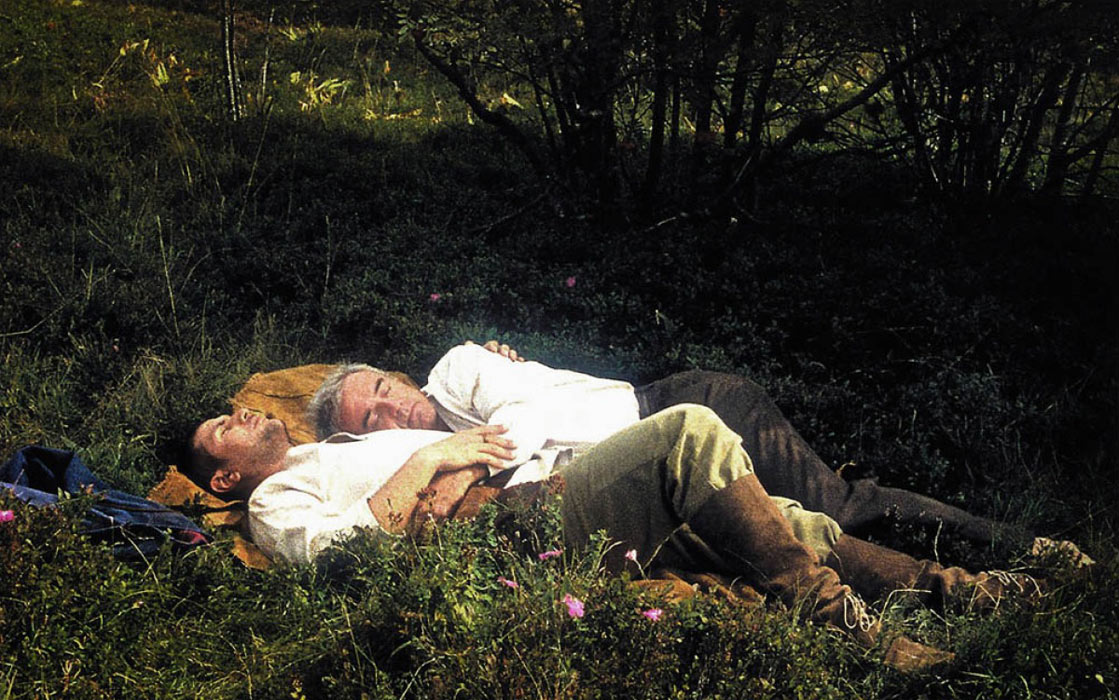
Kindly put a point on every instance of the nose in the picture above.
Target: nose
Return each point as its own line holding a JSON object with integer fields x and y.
{"x": 387, "y": 412}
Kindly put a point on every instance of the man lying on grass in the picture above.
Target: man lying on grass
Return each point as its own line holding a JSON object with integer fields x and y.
{"x": 547, "y": 408}
{"x": 676, "y": 487}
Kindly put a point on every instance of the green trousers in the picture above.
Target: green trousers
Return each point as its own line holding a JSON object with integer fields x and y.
{"x": 643, "y": 484}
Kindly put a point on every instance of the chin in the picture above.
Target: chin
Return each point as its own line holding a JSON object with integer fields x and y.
{"x": 275, "y": 428}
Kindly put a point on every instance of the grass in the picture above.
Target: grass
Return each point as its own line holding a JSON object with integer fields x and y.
{"x": 154, "y": 255}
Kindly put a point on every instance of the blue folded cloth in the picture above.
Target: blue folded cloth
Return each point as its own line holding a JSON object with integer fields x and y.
{"x": 136, "y": 527}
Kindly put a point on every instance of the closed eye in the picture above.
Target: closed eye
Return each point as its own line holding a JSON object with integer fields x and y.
{"x": 365, "y": 420}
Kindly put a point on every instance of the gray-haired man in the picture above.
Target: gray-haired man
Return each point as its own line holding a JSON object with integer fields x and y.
{"x": 470, "y": 387}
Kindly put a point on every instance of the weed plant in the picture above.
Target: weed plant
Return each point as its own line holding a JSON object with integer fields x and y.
{"x": 154, "y": 255}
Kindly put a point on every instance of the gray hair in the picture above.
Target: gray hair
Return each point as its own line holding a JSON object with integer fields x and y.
{"x": 322, "y": 411}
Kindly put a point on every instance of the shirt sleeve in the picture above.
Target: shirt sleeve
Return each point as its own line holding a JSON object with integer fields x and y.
{"x": 294, "y": 523}
{"x": 476, "y": 387}
{"x": 539, "y": 405}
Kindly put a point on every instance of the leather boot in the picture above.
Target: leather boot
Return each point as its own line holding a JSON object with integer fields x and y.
{"x": 742, "y": 524}
{"x": 990, "y": 588}
{"x": 746, "y": 529}
{"x": 875, "y": 571}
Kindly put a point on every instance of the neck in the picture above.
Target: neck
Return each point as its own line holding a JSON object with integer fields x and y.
{"x": 249, "y": 482}
{"x": 440, "y": 424}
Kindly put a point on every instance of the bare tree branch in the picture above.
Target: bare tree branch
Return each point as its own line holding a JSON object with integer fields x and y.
{"x": 469, "y": 94}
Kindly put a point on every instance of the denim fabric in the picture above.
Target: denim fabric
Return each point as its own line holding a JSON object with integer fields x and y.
{"x": 135, "y": 526}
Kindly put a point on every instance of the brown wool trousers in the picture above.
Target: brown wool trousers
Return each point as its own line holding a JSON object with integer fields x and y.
{"x": 788, "y": 467}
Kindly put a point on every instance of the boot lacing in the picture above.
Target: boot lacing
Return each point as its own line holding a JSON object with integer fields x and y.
{"x": 856, "y": 613}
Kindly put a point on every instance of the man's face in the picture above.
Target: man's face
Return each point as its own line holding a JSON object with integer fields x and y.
{"x": 243, "y": 440}
{"x": 371, "y": 401}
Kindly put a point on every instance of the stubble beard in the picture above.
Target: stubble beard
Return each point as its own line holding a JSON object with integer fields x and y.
{"x": 273, "y": 443}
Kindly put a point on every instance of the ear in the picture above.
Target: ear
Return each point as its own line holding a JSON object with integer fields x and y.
{"x": 224, "y": 480}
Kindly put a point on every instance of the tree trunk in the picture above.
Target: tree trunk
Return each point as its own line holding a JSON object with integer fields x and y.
{"x": 597, "y": 75}
{"x": 1105, "y": 139}
{"x": 706, "y": 71}
{"x": 905, "y": 105}
{"x": 745, "y": 29}
{"x": 233, "y": 95}
{"x": 1057, "y": 170}
{"x": 1026, "y": 150}
{"x": 771, "y": 53}
{"x": 660, "y": 103}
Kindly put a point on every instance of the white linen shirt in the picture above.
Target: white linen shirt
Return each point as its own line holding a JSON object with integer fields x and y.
{"x": 322, "y": 492}
{"x": 549, "y": 412}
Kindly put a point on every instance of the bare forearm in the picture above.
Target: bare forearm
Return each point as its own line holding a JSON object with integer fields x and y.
{"x": 455, "y": 484}
{"x": 447, "y": 490}
{"x": 393, "y": 503}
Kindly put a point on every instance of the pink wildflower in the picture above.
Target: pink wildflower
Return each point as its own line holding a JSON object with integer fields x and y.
{"x": 435, "y": 296}
{"x": 17, "y": 245}
{"x": 7, "y": 516}
{"x": 550, "y": 554}
{"x": 574, "y": 605}
{"x": 569, "y": 282}
{"x": 508, "y": 582}
{"x": 631, "y": 555}
{"x": 653, "y": 614}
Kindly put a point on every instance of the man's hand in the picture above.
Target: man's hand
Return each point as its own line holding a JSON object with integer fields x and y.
{"x": 482, "y": 445}
{"x": 500, "y": 349}
{"x": 447, "y": 490}
{"x": 394, "y": 504}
